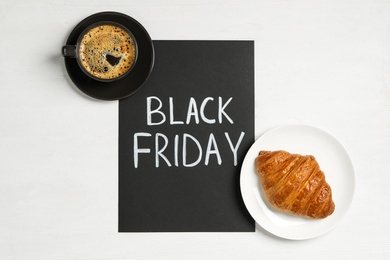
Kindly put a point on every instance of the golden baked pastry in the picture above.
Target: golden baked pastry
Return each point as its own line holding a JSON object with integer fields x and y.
{"x": 295, "y": 183}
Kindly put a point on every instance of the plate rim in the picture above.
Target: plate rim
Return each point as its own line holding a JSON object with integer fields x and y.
{"x": 245, "y": 199}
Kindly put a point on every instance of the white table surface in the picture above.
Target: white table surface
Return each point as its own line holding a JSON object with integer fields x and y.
{"x": 322, "y": 63}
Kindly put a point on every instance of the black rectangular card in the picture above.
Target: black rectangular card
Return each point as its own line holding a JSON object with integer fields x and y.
{"x": 183, "y": 137}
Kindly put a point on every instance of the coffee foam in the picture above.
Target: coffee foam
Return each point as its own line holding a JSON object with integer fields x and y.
{"x": 105, "y": 40}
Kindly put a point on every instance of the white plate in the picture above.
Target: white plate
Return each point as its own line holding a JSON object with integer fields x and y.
{"x": 334, "y": 161}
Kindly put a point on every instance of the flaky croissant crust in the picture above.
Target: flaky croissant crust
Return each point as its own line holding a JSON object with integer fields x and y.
{"x": 295, "y": 183}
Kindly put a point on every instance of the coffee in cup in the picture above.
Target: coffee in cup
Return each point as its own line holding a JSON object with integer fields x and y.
{"x": 105, "y": 51}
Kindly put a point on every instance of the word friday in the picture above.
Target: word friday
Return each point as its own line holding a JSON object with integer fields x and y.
{"x": 175, "y": 152}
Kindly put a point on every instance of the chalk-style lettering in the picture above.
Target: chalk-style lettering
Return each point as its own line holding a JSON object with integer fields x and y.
{"x": 171, "y": 115}
{"x": 138, "y": 150}
{"x": 192, "y": 111}
{"x": 202, "y": 106}
{"x": 176, "y": 150}
{"x": 234, "y": 148}
{"x": 159, "y": 151}
{"x": 149, "y": 111}
{"x": 221, "y": 109}
{"x": 169, "y": 151}
{"x": 155, "y": 116}
{"x": 185, "y": 138}
{"x": 212, "y": 148}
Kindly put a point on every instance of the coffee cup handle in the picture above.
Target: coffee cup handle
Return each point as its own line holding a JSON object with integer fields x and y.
{"x": 69, "y": 51}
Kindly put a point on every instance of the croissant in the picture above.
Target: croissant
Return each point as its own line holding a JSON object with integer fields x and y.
{"x": 295, "y": 183}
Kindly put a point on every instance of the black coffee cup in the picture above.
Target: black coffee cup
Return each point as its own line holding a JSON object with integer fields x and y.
{"x": 105, "y": 51}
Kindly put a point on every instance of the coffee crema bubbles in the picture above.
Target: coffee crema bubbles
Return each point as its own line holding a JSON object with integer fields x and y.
{"x": 107, "y": 51}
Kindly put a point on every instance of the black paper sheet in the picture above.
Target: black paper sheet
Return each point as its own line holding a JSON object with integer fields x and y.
{"x": 183, "y": 137}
